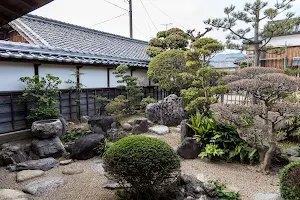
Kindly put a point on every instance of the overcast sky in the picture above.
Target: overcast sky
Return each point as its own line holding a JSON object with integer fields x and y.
{"x": 185, "y": 14}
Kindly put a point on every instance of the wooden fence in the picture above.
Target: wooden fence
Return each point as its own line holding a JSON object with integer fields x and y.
{"x": 13, "y": 114}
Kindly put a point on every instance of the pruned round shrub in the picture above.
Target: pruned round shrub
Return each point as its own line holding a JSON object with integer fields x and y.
{"x": 146, "y": 101}
{"x": 289, "y": 181}
{"x": 117, "y": 106}
{"x": 43, "y": 113}
{"x": 146, "y": 164}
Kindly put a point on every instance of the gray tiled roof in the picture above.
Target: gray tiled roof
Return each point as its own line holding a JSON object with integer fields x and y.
{"x": 21, "y": 51}
{"x": 71, "y": 38}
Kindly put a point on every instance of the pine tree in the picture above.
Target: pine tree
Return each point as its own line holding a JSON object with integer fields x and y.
{"x": 254, "y": 15}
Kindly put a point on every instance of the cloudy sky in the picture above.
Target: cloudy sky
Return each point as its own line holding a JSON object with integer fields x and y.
{"x": 185, "y": 14}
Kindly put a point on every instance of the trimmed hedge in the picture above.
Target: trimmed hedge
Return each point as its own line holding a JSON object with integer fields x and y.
{"x": 147, "y": 164}
{"x": 289, "y": 181}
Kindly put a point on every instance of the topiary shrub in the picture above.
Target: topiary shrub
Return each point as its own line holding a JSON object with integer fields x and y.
{"x": 146, "y": 164}
{"x": 289, "y": 181}
{"x": 118, "y": 106}
{"x": 146, "y": 101}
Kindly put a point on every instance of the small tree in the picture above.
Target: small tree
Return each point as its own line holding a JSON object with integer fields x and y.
{"x": 129, "y": 83}
{"x": 203, "y": 87}
{"x": 77, "y": 86}
{"x": 41, "y": 91}
{"x": 165, "y": 69}
{"x": 258, "y": 124}
{"x": 174, "y": 38}
{"x": 253, "y": 15}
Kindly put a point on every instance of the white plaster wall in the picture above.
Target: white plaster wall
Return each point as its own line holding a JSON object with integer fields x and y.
{"x": 10, "y": 73}
{"x": 291, "y": 40}
{"x": 64, "y": 72}
{"x": 94, "y": 77}
{"x": 113, "y": 80}
{"x": 142, "y": 75}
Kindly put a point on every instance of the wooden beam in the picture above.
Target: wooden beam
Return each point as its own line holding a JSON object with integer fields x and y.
{"x": 30, "y": 3}
{"x": 11, "y": 9}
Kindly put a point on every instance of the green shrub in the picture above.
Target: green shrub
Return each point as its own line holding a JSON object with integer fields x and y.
{"x": 147, "y": 164}
{"x": 43, "y": 113}
{"x": 221, "y": 141}
{"x": 42, "y": 92}
{"x": 103, "y": 147}
{"x": 117, "y": 106}
{"x": 146, "y": 101}
{"x": 73, "y": 136}
{"x": 222, "y": 194}
{"x": 289, "y": 181}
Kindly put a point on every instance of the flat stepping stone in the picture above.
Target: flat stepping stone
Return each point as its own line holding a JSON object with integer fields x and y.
{"x": 294, "y": 159}
{"x": 42, "y": 164}
{"x": 98, "y": 168}
{"x": 8, "y": 194}
{"x": 72, "y": 170}
{"x": 29, "y": 174}
{"x": 159, "y": 129}
{"x": 43, "y": 186}
{"x": 267, "y": 196}
{"x": 66, "y": 162}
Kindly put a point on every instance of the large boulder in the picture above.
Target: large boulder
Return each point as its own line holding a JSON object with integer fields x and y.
{"x": 13, "y": 154}
{"x": 102, "y": 124}
{"x": 140, "y": 125}
{"x": 43, "y": 186}
{"x": 64, "y": 126}
{"x": 85, "y": 147}
{"x": 185, "y": 130}
{"x": 51, "y": 147}
{"x": 169, "y": 112}
{"x": 44, "y": 164}
{"x": 47, "y": 128}
{"x": 189, "y": 149}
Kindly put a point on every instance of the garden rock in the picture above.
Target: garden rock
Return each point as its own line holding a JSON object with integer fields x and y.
{"x": 51, "y": 147}
{"x": 101, "y": 124}
{"x": 65, "y": 162}
{"x": 84, "y": 119}
{"x": 47, "y": 128}
{"x": 42, "y": 186}
{"x": 186, "y": 131}
{"x": 294, "y": 159}
{"x": 292, "y": 151}
{"x": 64, "y": 126}
{"x": 85, "y": 147}
{"x": 29, "y": 174}
{"x": 13, "y": 154}
{"x": 140, "y": 126}
{"x": 8, "y": 194}
{"x": 267, "y": 196}
{"x": 112, "y": 185}
{"x": 98, "y": 168}
{"x": 127, "y": 127}
{"x": 42, "y": 164}
{"x": 169, "y": 112}
{"x": 189, "y": 149}
{"x": 160, "y": 129}
{"x": 72, "y": 170}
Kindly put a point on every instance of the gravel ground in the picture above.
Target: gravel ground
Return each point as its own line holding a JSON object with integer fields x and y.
{"x": 88, "y": 185}
{"x": 243, "y": 178}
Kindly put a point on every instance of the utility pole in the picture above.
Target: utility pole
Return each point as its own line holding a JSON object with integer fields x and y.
{"x": 130, "y": 19}
{"x": 166, "y": 25}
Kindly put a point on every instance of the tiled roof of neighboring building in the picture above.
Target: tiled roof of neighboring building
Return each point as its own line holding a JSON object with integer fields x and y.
{"x": 21, "y": 51}
{"x": 66, "y": 37}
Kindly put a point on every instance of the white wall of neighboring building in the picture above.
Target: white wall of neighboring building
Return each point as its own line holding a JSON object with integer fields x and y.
{"x": 64, "y": 72}
{"x": 289, "y": 40}
{"x": 142, "y": 75}
{"x": 94, "y": 77}
{"x": 11, "y": 72}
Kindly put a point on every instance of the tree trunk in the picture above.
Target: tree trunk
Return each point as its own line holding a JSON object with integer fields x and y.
{"x": 266, "y": 165}
{"x": 256, "y": 55}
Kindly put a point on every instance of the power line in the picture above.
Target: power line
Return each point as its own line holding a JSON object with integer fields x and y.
{"x": 165, "y": 14}
{"x": 109, "y": 19}
{"x": 115, "y": 5}
{"x": 148, "y": 15}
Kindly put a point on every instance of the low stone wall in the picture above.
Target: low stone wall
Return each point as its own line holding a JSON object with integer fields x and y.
{"x": 16, "y": 136}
